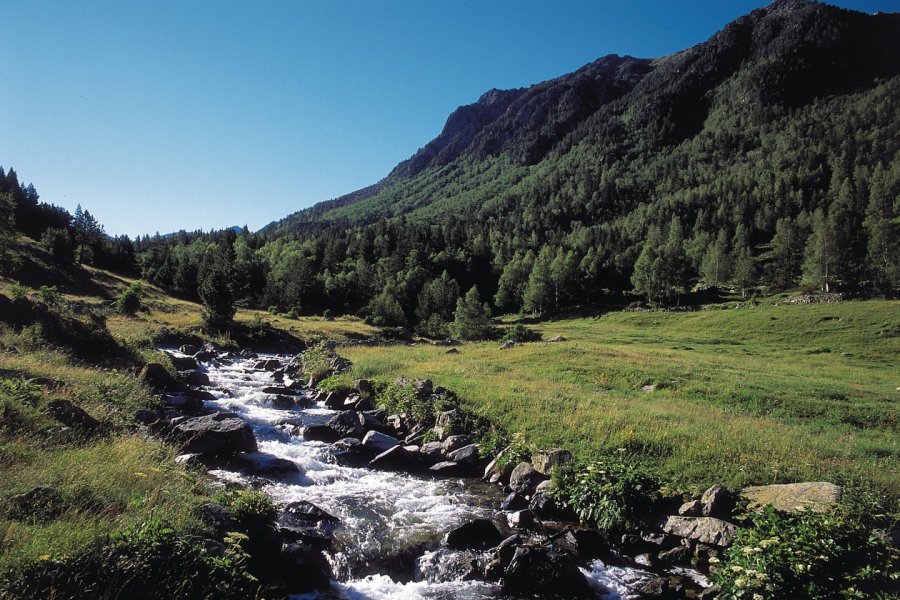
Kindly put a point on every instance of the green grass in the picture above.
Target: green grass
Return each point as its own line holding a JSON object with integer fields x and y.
{"x": 750, "y": 395}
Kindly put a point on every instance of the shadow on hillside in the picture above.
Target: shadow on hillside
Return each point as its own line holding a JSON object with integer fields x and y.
{"x": 38, "y": 269}
{"x": 84, "y": 336}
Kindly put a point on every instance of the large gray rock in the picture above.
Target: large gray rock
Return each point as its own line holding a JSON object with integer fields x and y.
{"x": 219, "y": 433}
{"x": 478, "y": 534}
{"x": 545, "y": 461}
{"x": 467, "y": 455}
{"x": 817, "y": 496}
{"x": 524, "y": 479}
{"x": 378, "y": 442}
{"x": 706, "y": 530}
{"x": 545, "y": 571}
{"x": 183, "y": 363}
{"x": 717, "y": 501}
{"x": 455, "y": 442}
{"x": 347, "y": 424}
{"x": 263, "y": 464}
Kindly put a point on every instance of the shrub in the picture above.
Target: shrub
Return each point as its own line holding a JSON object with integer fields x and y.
{"x": 806, "y": 555}
{"x": 18, "y": 405}
{"x": 520, "y": 334}
{"x": 613, "y": 491}
{"x": 144, "y": 562}
{"x": 49, "y": 295}
{"x": 435, "y": 327}
{"x": 129, "y": 301}
{"x": 252, "y": 509}
{"x": 19, "y": 292}
{"x": 472, "y": 319}
{"x": 316, "y": 363}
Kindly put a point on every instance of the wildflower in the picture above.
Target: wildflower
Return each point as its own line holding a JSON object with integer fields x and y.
{"x": 740, "y": 582}
{"x": 757, "y": 597}
{"x": 714, "y": 561}
{"x": 737, "y": 568}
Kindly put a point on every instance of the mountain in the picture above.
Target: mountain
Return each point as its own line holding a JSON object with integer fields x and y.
{"x": 766, "y": 158}
{"x": 777, "y": 58}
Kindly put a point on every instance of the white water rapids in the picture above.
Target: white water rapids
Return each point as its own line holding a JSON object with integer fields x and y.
{"x": 386, "y": 517}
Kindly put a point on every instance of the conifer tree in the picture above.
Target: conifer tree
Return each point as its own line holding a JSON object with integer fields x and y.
{"x": 539, "y": 291}
{"x": 472, "y": 320}
{"x": 215, "y": 279}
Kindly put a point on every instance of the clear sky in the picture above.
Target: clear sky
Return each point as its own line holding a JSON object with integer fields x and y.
{"x": 177, "y": 114}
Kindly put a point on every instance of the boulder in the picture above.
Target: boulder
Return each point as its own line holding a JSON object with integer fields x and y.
{"x": 523, "y": 519}
{"x": 189, "y": 349}
{"x": 219, "y": 433}
{"x": 283, "y": 402}
{"x": 422, "y": 387}
{"x": 335, "y": 400}
{"x": 691, "y": 509}
{"x": 478, "y": 534}
{"x": 467, "y": 455}
{"x": 433, "y": 450}
{"x": 545, "y": 571}
{"x": 183, "y": 363}
{"x": 364, "y": 386}
{"x": 217, "y": 517}
{"x": 263, "y": 464}
{"x": 200, "y": 395}
{"x": 372, "y": 422}
{"x": 205, "y": 355}
{"x": 498, "y": 470}
{"x": 545, "y": 461}
{"x": 706, "y": 530}
{"x": 157, "y": 377}
{"x": 447, "y": 468}
{"x": 508, "y": 344}
{"x": 524, "y": 478}
{"x": 281, "y": 390}
{"x": 303, "y": 569}
{"x": 396, "y": 458}
{"x": 817, "y": 496}
{"x": 320, "y": 433}
{"x": 514, "y": 501}
{"x": 195, "y": 377}
{"x": 247, "y": 353}
{"x": 718, "y": 502}
{"x": 267, "y": 365}
{"x": 307, "y": 512}
{"x": 455, "y": 442}
{"x": 339, "y": 364}
{"x": 378, "y": 442}
{"x": 347, "y": 424}
{"x": 546, "y": 508}
{"x": 72, "y": 416}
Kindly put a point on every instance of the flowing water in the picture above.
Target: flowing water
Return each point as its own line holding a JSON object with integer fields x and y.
{"x": 388, "y": 543}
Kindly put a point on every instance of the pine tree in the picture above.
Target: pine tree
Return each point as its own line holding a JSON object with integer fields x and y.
{"x": 215, "y": 279}
{"x": 786, "y": 254}
{"x": 7, "y": 232}
{"x": 472, "y": 320}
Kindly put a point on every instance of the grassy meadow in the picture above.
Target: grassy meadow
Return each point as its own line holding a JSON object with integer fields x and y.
{"x": 116, "y": 479}
{"x": 744, "y": 395}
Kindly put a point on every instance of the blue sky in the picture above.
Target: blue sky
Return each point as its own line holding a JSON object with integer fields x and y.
{"x": 167, "y": 115}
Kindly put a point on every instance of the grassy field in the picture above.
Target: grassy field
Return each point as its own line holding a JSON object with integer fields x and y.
{"x": 114, "y": 479}
{"x": 748, "y": 395}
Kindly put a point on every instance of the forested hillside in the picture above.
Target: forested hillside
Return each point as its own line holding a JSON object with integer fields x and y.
{"x": 766, "y": 158}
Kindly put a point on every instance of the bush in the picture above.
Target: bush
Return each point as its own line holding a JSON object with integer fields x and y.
{"x": 806, "y": 555}
{"x": 520, "y": 334}
{"x": 316, "y": 363}
{"x": 434, "y": 327}
{"x": 472, "y": 319}
{"x": 129, "y": 301}
{"x": 252, "y": 509}
{"x": 49, "y": 295}
{"x": 18, "y": 405}
{"x": 613, "y": 491}
{"x": 19, "y": 292}
{"x": 145, "y": 562}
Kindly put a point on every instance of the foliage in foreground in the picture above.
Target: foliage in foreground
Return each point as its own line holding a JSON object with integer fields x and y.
{"x": 146, "y": 562}
{"x": 613, "y": 491}
{"x": 807, "y": 555}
